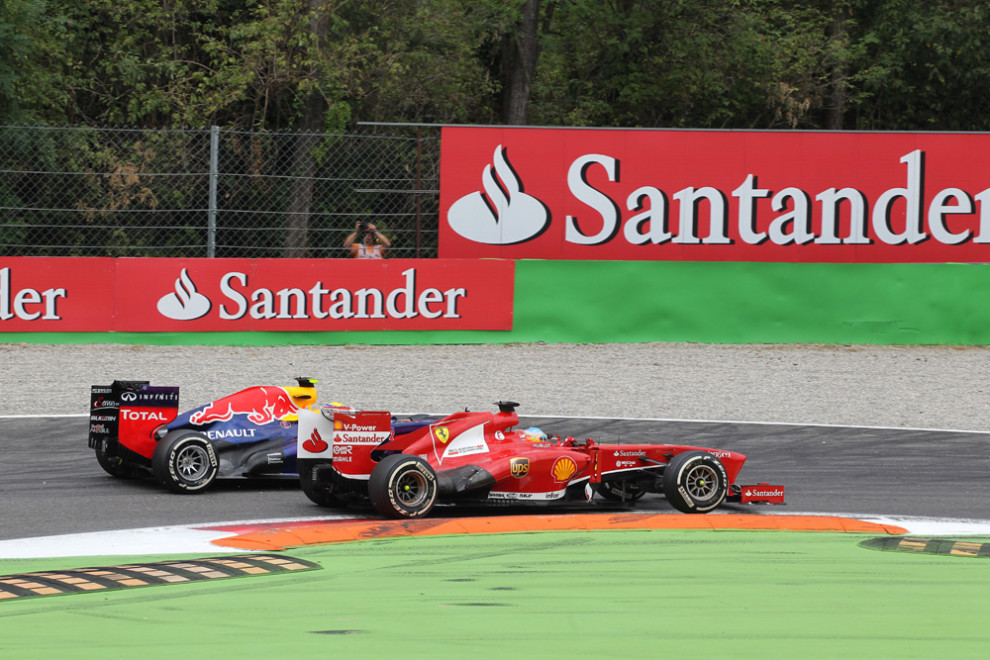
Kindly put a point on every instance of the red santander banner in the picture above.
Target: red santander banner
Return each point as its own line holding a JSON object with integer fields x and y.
{"x": 208, "y": 295}
{"x": 714, "y": 195}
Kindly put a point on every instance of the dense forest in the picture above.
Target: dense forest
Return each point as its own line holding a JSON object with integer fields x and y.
{"x": 326, "y": 64}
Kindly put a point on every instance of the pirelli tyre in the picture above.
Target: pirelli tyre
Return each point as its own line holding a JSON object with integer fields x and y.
{"x": 185, "y": 463}
{"x": 318, "y": 492}
{"x": 695, "y": 482}
{"x": 403, "y": 486}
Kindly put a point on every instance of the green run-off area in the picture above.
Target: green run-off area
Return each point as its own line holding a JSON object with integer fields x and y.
{"x": 707, "y": 302}
{"x": 609, "y": 594}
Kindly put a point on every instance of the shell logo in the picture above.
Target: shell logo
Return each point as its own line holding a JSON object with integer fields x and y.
{"x": 563, "y": 469}
{"x": 337, "y": 426}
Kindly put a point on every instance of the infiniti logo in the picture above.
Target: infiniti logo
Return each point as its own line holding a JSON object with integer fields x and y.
{"x": 128, "y": 396}
{"x": 186, "y": 304}
{"x": 503, "y": 214}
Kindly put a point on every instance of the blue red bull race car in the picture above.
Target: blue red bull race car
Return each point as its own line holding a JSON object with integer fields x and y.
{"x": 136, "y": 429}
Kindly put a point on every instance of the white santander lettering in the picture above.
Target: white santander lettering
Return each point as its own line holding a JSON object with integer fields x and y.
{"x": 912, "y": 195}
{"x": 577, "y": 181}
{"x": 322, "y": 302}
{"x": 649, "y": 219}
{"x": 21, "y": 304}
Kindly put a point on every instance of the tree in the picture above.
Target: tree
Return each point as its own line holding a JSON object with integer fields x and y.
{"x": 923, "y": 66}
{"x": 31, "y": 33}
{"x": 520, "y": 49}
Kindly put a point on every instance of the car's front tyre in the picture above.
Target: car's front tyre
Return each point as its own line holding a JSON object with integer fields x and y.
{"x": 695, "y": 482}
{"x": 185, "y": 463}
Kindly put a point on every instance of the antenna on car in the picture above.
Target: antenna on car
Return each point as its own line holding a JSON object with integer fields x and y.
{"x": 507, "y": 406}
{"x": 305, "y": 381}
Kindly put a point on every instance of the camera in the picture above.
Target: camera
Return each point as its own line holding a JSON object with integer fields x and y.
{"x": 363, "y": 228}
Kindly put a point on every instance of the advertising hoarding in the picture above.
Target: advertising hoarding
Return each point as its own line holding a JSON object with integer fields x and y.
{"x": 827, "y": 197}
{"x": 210, "y": 295}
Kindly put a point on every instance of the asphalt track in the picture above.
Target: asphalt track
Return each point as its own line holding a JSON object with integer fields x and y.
{"x": 548, "y": 594}
{"x": 50, "y": 483}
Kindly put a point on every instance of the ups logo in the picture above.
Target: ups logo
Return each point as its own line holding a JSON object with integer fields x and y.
{"x": 519, "y": 467}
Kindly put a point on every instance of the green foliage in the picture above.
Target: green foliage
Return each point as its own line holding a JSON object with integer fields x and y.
{"x": 923, "y": 66}
{"x": 262, "y": 64}
{"x": 288, "y": 80}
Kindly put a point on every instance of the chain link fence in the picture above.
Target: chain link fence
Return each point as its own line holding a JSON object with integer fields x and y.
{"x": 83, "y": 191}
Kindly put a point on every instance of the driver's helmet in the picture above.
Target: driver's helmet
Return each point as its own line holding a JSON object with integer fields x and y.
{"x": 534, "y": 434}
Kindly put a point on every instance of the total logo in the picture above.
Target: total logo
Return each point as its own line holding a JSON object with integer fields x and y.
{"x": 142, "y": 415}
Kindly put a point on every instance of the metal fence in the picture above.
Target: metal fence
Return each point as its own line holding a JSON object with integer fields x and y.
{"x": 84, "y": 191}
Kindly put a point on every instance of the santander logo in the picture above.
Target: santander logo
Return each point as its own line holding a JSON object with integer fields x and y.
{"x": 503, "y": 214}
{"x": 186, "y": 304}
{"x": 315, "y": 444}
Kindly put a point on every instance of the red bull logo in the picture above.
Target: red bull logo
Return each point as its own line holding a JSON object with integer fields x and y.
{"x": 261, "y": 405}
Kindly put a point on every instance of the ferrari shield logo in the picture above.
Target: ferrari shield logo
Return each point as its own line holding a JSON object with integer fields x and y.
{"x": 442, "y": 433}
{"x": 519, "y": 467}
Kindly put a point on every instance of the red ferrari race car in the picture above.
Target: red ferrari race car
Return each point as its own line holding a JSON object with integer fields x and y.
{"x": 347, "y": 456}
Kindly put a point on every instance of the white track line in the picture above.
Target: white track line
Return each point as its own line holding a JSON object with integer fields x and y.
{"x": 640, "y": 419}
{"x": 172, "y": 539}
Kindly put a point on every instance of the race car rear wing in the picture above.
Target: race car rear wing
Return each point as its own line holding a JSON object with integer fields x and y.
{"x": 130, "y": 411}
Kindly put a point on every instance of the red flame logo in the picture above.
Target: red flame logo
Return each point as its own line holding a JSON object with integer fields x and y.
{"x": 315, "y": 444}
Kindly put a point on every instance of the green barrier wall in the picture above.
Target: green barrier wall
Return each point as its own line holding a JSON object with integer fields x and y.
{"x": 644, "y": 301}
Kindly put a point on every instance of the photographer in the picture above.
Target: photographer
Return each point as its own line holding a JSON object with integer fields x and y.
{"x": 371, "y": 245}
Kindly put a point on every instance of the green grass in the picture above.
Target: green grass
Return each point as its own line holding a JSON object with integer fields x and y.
{"x": 548, "y": 594}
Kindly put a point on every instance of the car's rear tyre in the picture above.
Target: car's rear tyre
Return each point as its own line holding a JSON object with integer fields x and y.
{"x": 112, "y": 464}
{"x": 695, "y": 482}
{"x": 318, "y": 492}
{"x": 403, "y": 486}
{"x": 185, "y": 463}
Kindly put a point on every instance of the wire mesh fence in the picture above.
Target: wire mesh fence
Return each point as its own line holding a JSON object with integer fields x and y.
{"x": 85, "y": 191}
